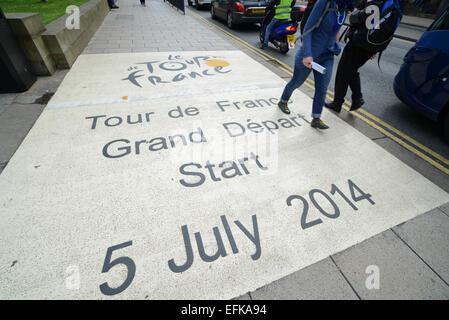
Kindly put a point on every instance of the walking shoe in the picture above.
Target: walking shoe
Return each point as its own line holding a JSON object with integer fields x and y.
{"x": 263, "y": 46}
{"x": 333, "y": 106}
{"x": 356, "y": 104}
{"x": 114, "y": 6}
{"x": 318, "y": 123}
{"x": 284, "y": 107}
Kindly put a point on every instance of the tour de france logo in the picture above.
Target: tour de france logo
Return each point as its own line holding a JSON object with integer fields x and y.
{"x": 176, "y": 69}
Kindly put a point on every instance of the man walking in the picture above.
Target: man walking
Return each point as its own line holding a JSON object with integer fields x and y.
{"x": 360, "y": 49}
{"x": 283, "y": 9}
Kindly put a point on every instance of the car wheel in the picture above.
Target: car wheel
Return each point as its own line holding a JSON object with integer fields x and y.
{"x": 212, "y": 12}
{"x": 230, "y": 20}
{"x": 189, "y": 3}
{"x": 198, "y": 6}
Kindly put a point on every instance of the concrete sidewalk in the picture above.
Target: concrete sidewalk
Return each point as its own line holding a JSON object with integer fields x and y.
{"x": 412, "y": 258}
{"x": 154, "y": 28}
{"x": 417, "y": 21}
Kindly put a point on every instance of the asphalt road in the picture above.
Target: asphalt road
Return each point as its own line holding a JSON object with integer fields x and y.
{"x": 377, "y": 84}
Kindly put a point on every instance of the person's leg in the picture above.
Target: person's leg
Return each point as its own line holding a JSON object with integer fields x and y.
{"x": 356, "y": 87}
{"x": 355, "y": 84}
{"x": 112, "y": 4}
{"x": 345, "y": 72}
{"x": 300, "y": 75}
{"x": 321, "y": 84}
{"x": 269, "y": 30}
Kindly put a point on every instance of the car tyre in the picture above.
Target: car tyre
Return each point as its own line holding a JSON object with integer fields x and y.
{"x": 189, "y": 3}
{"x": 230, "y": 21}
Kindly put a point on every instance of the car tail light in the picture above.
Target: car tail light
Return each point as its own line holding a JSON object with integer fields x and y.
{"x": 239, "y": 7}
{"x": 291, "y": 28}
{"x": 420, "y": 54}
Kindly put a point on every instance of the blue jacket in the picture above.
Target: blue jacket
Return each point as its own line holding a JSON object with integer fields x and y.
{"x": 322, "y": 39}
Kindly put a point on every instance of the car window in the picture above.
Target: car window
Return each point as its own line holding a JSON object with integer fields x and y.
{"x": 442, "y": 23}
{"x": 262, "y": 2}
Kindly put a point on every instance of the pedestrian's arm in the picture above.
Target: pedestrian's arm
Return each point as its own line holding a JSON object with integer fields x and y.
{"x": 358, "y": 17}
{"x": 313, "y": 19}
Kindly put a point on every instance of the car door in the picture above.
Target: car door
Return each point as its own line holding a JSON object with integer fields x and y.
{"x": 434, "y": 92}
{"x": 227, "y": 5}
{"x": 222, "y": 8}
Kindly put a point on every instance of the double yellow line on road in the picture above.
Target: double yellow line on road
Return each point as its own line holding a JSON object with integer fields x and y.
{"x": 403, "y": 139}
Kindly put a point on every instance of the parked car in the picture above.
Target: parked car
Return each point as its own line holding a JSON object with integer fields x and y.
{"x": 199, "y": 3}
{"x": 423, "y": 80}
{"x": 238, "y": 12}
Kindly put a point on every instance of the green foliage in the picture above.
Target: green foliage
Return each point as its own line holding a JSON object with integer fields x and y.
{"x": 49, "y": 11}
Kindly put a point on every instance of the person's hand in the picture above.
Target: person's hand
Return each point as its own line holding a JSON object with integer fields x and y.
{"x": 307, "y": 61}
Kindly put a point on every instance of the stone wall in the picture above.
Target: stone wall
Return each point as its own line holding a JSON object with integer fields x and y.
{"x": 66, "y": 45}
{"x": 28, "y": 29}
{"x": 53, "y": 46}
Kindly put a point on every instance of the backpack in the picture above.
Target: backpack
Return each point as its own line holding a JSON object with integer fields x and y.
{"x": 376, "y": 40}
{"x": 305, "y": 16}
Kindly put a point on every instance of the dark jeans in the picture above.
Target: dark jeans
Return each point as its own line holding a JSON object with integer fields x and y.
{"x": 111, "y": 3}
{"x": 321, "y": 81}
{"x": 352, "y": 59}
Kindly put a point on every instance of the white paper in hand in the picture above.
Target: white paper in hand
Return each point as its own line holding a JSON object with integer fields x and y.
{"x": 318, "y": 67}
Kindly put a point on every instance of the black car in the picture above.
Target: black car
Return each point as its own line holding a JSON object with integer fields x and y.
{"x": 239, "y": 12}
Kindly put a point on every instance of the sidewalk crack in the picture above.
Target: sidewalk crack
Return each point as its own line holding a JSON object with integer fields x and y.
{"x": 436, "y": 273}
{"x": 349, "y": 283}
{"x": 447, "y": 214}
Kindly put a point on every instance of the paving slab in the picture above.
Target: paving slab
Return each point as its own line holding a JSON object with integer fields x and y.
{"x": 193, "y": 187}
{"x": 244, "y": 297}
{"x": 6, "y": 99}
{"x": 384, "y": 267}
{"x": 15, "y": 122}
{"x": 158, "y": 27}
{"x": 428, "y": 236}
{"x": 319, "y": 281}
{"x": 445, "y": 208}
{"x": 362, "y": 126}
{"x": 411, "y": 159}
{"x": 143, "y": 76}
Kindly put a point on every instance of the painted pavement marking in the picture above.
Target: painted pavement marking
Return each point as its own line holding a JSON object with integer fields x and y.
{"x": 194, "y": 197}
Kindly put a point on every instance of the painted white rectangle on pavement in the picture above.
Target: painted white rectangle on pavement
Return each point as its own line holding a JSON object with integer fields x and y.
{"x": 191, "y": 197}
{"x": 121, "y": 77}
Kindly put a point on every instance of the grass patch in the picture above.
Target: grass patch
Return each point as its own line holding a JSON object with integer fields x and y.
{"x": 49, "y": 11}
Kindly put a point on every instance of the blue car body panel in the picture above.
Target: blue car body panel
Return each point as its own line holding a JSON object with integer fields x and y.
{"x": 423, "y": 80}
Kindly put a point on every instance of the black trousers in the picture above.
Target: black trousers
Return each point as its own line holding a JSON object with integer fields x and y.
{"x": 352, "y": 59}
